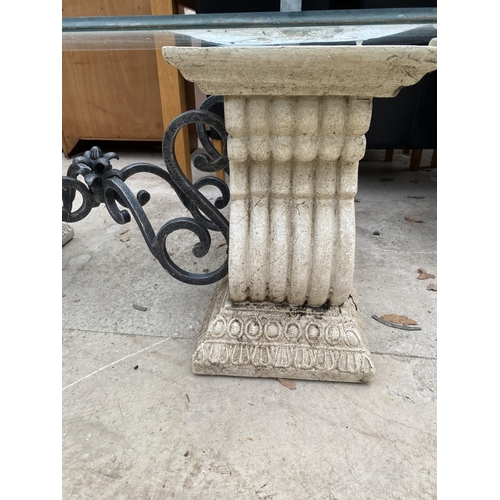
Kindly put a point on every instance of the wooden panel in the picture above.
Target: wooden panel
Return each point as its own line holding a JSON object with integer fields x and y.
{"x": 111, "y": 95}
{"x": 191, "y": 104}
{"x": 172, "y": 88}
{"x": 129, "y": 95}
{"x": 90, "y": 8}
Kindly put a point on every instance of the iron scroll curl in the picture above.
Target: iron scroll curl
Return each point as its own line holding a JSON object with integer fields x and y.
{"x": 103, "y": 184}
{"x": 206, "y": 216}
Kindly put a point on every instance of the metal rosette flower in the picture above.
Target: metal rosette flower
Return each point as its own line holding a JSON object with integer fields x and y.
{"x": 94, "y": 167}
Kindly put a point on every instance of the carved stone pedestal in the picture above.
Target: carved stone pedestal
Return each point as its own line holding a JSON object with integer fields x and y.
{"x": 296, "y": 119}
{"x": 263, "y": 339}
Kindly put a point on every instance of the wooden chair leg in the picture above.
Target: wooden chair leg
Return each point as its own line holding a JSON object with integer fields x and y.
{"x": 434, "y": 158}
{"x": 218, "y": 146}
{"x": 416, "y": 156}
{"x": 406, "y": 151}
{"x": 389, "y": 154}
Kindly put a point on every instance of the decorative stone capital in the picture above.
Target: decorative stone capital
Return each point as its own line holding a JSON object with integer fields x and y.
{"x": 357, "y": 70}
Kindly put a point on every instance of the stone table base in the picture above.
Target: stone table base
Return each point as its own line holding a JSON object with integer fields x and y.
{"x": 296, "y": 118}
{"x": 281, "y": 341}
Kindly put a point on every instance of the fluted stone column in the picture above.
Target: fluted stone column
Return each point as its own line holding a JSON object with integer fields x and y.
{"x": 293, "y": 178}
{"x": 296, "y": 119}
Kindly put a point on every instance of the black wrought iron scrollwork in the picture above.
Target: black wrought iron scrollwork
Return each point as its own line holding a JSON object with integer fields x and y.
{"x": 104, "y": 184}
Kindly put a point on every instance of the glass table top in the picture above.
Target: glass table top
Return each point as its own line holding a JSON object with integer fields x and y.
{"x": 415, "y": 26}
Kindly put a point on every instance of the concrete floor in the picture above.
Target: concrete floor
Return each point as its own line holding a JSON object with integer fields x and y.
{"x": 137, "y": 424}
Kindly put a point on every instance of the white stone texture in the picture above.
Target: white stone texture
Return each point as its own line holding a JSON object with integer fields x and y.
{"x": 67, "y": 233}
{"x": 363, "y": 71}
{"x": 296, "y": 119}
{"x": 262, "y": 339}
{"x": 293, "y": 179}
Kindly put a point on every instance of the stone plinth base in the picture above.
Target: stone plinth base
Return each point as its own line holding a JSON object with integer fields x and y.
{"x": 262, "y": 339}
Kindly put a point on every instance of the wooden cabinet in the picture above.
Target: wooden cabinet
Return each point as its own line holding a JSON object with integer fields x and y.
{"x": 127, "y": 95}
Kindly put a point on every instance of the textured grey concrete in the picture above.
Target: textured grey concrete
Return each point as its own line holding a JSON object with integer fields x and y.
{"x": 137, "y": 424}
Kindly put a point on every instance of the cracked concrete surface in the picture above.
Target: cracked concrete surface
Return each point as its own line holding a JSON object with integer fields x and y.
{"x": 137, "y": 424}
